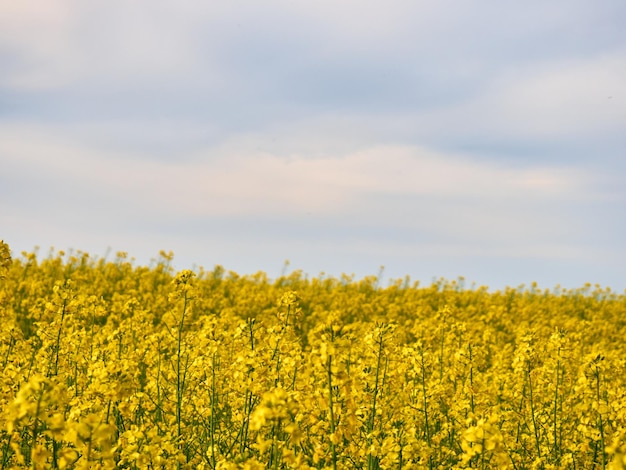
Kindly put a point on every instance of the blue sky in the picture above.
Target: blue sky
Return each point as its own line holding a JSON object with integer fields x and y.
{"x": 483, "y": 139}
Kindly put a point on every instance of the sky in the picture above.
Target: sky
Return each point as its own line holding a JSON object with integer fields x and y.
{"x": 442, "y": 138}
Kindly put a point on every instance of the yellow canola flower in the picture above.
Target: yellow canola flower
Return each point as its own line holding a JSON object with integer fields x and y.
{"x": 100, "y": 370}
{"x": 289, "y": 298}
{"x": 5, "y": 259}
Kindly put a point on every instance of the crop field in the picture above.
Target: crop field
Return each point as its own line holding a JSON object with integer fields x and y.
{"x": 106, "y": 364}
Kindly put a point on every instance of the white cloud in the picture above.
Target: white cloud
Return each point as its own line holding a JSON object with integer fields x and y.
{"x": 568, "y": 98}
{"x": 485, "y": 207}
{"x": 238, "y": 179}
{"x": 63, "y": 43}
{"x": 326, "y": 119}
{"x": 38, "y": 38}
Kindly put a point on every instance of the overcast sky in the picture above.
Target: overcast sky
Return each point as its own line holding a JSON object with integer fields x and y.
{"x": 484, "y": 139}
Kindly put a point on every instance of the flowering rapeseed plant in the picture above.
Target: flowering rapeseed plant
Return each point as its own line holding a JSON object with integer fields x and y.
{"x": 110, "y": 365}
{"x": 5, "y": 258}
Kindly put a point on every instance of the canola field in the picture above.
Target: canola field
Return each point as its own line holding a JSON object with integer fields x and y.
{"x": 106, "y": 364}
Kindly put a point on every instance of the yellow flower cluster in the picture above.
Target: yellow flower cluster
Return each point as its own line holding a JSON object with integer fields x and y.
{"x": 110, "y": 365}
{"x": 5, "y": 258}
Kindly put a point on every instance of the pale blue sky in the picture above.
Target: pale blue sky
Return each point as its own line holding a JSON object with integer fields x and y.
{"x": 484, "y": 139}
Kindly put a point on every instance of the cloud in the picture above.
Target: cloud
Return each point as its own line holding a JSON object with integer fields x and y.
{"x": 414, "y": 191}
{"x": 245, "y": 179}
{"x": 437, "y": 129}
{"x": 557, "y": 99}
{"x": 418, "y": 72}
{"x": 115, "y": 45}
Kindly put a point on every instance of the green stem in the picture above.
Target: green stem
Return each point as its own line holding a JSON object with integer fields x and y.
{"x": 443, "y": 337}
{"x": 556, "y": 447}
{"x": 35, "y": 430}
{"x": 333, "y": 450}
{"x": 179, "y": 377}
{"x": 472, "y": 404}
{"x": 58, "y": 343}
{"x": 370, "y": 425}
{"x": 532, "y": 412}
{"x": 425, "y": 401}
{"x": 600, "y": 422}
{"x": 213, "y": 398}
